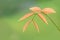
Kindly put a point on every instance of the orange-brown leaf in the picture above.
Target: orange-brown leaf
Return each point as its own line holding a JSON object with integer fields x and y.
{"x": 26, "y": 16}
{"x": 48, "y": 10}
{"x": 26, "y": 25}
{"x": 43, "y": 18}
{"x": 36, "y": 25}
{"x": 35, "y": 9}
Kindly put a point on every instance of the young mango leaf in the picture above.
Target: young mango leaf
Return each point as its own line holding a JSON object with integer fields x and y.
{"x": 26, "y": 16}
{"x": 26, "y": 25}
{"x": 36, "y": 25}
{"x": 48, "y": 10}
{"x": 43, "y": 18}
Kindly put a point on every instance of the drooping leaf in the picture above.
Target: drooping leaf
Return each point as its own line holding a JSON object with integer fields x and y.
{"x": 26, "y": 16}
{"x": 26, "y": 25}
{"x": 36, "y": 25}
{"x": 43, "y": 18}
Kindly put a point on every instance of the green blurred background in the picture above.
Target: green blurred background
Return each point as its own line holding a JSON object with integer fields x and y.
{"x": 11, "y": 28}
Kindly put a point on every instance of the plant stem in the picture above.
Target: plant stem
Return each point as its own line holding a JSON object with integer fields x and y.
{"x": 52, "y": 22}
{"x": 34, "y": 16}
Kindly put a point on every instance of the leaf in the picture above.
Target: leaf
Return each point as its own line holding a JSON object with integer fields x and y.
{"x": 35, "y": 9}
{"x": 36, "y": 25}
{"x": 43, "y": 18}
{"x": 26, "y": 16}
{"x": 48, "y": 10}
{"x": 26, "y": 25}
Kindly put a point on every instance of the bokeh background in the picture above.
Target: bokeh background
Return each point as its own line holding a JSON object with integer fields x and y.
{"x": 11, "y": 28}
